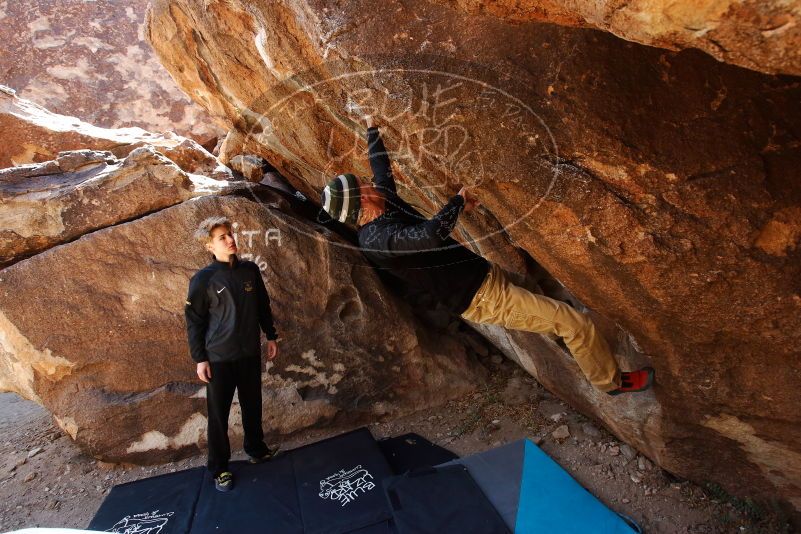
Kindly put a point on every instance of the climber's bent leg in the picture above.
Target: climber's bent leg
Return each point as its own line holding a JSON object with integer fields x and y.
{"x": 500, "y": 302}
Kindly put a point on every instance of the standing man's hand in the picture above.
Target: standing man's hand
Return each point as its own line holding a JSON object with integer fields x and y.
{"x": 470, "y": 201}
{"x": 204, "y": 371}
{"x": 369, "y": 121}
{"x": 272, "y": 349}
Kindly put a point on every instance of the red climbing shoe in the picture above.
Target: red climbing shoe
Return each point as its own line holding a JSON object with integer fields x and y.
{"x": 634, "y": 381}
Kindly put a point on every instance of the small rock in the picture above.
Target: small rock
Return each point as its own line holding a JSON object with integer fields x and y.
{"x": 614, "y": 450}
{"x": 628, "y": 452}
{"x": 625, "y": 501}
{"x": 251, "y": 167}
{"x": 636, "y": 478}
{"x": 590, "y": 430}
{"x": 34, "y": 452}
{"x": 20, "y": 461}
{"x": 556, "y": 417}
{"x": 561, "y": 433}
{"x": 496, "y": 359}
{"x": 538, "y": 440}
{"x": 30, "y": 476}
{"x": 644, "y": 464}
{"x": 517, "y": 392}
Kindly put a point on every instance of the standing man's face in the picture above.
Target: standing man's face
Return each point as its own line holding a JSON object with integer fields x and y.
{"x": 222, "y": 243}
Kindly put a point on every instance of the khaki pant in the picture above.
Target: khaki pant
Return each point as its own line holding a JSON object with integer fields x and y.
{"x": 498, "y": 301}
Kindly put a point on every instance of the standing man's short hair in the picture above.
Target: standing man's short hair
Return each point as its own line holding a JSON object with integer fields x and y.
{"x": 208, "y": 225}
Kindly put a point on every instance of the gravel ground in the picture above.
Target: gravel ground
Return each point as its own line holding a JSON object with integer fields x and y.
{"x": 45, "y": 479}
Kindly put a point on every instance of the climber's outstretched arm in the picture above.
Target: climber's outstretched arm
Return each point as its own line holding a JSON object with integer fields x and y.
{"x": 379, "y": 160}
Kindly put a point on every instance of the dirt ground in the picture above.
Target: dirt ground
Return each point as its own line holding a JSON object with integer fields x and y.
{"x": 45, "y": 479}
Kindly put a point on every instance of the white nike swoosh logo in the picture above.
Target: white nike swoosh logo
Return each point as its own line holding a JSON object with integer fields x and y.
{"x": 220, "y": 291}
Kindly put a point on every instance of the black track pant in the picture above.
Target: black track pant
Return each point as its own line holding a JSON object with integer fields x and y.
{"x": 243, "y": 375}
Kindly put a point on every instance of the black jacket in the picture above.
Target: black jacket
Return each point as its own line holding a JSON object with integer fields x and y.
{"x": 224, "y": 310}
{"x": 417, "y": 250}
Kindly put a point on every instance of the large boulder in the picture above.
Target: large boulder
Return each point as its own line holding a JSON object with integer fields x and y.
{"x": 46, "y": 204}
{"x": 662, "y": 189}
{"x": 94, "y": 331}
{"x": 764, "y": 35}
{"x": 88, "y": 60}
{"x": 32, "y": 134}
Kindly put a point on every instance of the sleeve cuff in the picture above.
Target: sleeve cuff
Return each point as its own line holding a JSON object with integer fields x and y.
{"x": 457, "y": 200}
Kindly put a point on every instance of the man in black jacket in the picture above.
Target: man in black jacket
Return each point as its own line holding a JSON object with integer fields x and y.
{"x": 396, "y": 237}
{"x": 227, "y": 306}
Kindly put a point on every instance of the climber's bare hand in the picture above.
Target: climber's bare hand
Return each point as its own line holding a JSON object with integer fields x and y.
{"x": 470, "y": 201}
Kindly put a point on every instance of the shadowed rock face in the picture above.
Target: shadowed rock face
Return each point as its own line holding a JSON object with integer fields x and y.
{"x": 94, "y": 331}
{"x": 88, "y": 60}
{"x": 763, "y": 35}
{"x": 662, "y": 189}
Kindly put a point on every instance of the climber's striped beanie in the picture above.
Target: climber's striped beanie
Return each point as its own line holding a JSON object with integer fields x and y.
{"x": 341, "y": 198}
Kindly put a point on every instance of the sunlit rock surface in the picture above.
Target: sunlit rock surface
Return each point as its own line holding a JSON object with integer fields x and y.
{"x": 661, "y": 188}
{"x": 94, "y": 331}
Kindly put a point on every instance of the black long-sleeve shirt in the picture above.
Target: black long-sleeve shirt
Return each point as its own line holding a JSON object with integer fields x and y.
{"x": 415, "y": 249}
{"x": 224, "y": 310}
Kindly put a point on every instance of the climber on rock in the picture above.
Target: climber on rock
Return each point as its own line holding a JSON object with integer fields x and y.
{"x": 396, "y": 237}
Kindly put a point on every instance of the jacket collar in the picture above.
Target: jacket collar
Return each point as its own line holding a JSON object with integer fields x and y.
{"x": 217, "y": 264}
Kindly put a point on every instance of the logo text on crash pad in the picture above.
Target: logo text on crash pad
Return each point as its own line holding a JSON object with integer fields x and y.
{"x": 345, "y": 486}
{"x": 148, "y": 523}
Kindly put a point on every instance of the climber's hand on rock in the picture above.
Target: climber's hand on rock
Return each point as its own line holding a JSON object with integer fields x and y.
{"x": 354, "y": 108}
{"x": 470, "y": 201}
{"x": 204, "y": 371}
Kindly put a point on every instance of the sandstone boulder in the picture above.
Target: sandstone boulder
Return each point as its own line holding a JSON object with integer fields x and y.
{"x": 94, "y": 331}
{"x": 46, "y": 204}
{"x": 88, "y": 60}
{"x": 763, "y": 35}
{"x": 32, "y": 134}
{"x": 660, "y": 188}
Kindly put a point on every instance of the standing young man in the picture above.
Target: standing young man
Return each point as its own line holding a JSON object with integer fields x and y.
{"x": 420, "y": 251}
{"x": 227, "y": 306}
